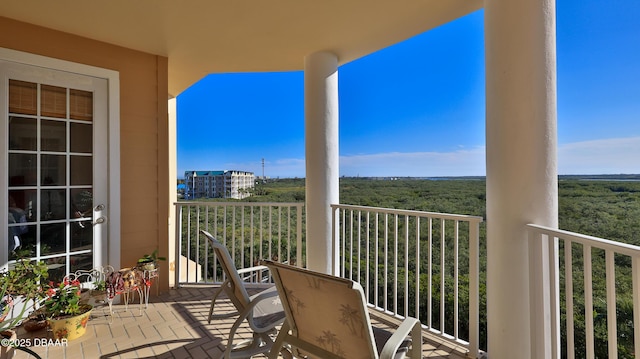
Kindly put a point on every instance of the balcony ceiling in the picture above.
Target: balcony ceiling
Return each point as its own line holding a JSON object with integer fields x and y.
{"x": 221, "y": 36}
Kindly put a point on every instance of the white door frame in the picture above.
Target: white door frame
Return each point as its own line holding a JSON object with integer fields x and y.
{"x": 112, "y": 244}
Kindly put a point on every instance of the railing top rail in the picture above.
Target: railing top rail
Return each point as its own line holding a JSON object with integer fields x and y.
{"x": 238, "y": 204}
{"x": 459, "y": 217}
{"x": 606, "y": 244}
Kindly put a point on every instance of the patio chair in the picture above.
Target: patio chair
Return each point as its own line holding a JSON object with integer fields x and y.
{"x": 262, "y": 312}
{"x": 327, "y": 317}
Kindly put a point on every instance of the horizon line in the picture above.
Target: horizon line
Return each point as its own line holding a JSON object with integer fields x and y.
{"x": 463, "y": 176}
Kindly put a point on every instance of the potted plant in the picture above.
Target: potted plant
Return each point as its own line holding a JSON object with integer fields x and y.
{"x": 7, "y": 325}
{"x": 66, "y": 315}
{"x": 23, "y": 282}
{"x": 149, "y": 262}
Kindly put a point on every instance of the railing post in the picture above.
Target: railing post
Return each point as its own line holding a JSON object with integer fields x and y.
{"x": 178, "y": 240}
{"x": 299, "y": 233}
{"x": 611, "y": 304}
{"x": 554, "y": 295}
{"x": 635, "y": 268}
{"x": 334, "y": 240}
{"x": 541, "y": 294}
{"x": 536, "y": 295}
{"x": 474, "y": 289}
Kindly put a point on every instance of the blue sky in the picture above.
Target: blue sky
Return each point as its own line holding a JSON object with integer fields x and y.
{"x": 417, "y": 108}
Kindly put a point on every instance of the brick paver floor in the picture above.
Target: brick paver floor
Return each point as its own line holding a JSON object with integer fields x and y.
{"x": 173, "y": 326}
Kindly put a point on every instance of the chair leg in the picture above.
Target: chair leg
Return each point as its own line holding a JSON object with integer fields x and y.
{"x": 213, "y": 303}
{"x": 286, "y": 353}
{"x": 260, "y": 343}
{"x": 279, "y": 343}
{"x": 416, "y": 342}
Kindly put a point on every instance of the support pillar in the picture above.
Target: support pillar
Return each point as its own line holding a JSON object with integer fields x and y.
{"x": 322, "y": 158}
{"x": 173, "y": 190}
{"x": 521, "y": 155}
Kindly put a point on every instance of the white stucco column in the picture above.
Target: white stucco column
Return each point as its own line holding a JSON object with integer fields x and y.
{"x": 173, "y": 187}
{"x": 521, "y": 160}
{"x": 322, "y": 157}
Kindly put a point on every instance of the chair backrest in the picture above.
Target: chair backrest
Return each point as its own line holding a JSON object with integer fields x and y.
{"x": 240, "y": 297}
{"x": 326, "y": 312}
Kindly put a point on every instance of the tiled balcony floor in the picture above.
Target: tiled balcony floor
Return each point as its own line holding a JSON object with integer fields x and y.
{"x": 174, "y": 326}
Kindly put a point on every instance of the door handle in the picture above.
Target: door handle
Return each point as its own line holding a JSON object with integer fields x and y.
{"x": 99, "y": 207}
{"x": 100, "y": 220}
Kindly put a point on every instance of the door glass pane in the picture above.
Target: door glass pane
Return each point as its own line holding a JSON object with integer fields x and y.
{"x": 82, "y": 214}
{"x": 23, "y": 132}
{"x": 81, "y": 138}
{"x": 22, "y": 169}
{"x": 23, "y": 97}
{"x": 81, "y": 203}
{"x": 57, "y": 268}
{"x": 24, "y": 245}
{"x": 53, "y": 169}
{"x": 81, "y": 262}
{"x": 25, "y": 201}
{"x": 53, "y": 204}
{"x": 53, "y": 238}
{"x": 81, "y": 170}
{"x": 54, "y": 136}
{"x": 80, "y": 105}
{"x": 54, "y": 101}
{"x": 81, "y": 236}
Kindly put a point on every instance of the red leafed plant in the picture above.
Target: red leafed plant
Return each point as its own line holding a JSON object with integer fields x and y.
{"x": 63, "y": 299}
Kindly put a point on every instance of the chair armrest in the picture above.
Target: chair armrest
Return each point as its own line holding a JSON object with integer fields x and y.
{"x": 262, "y": 296}
{"x": 252, "y": 269}
{"x": 249, "y": 271}
{"x": 253, "y": 303}
{"x": 410, "y": 326}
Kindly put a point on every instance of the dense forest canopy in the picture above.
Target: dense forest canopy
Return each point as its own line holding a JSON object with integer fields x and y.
{"x": 599, "y": 206}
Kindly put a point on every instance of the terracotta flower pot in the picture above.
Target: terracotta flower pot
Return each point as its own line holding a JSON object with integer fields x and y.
{"x": 70, "y": 327}
{"x": 35, "y": 324}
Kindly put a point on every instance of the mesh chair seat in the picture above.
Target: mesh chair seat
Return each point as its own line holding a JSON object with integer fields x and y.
{"x": 327, "y": 317}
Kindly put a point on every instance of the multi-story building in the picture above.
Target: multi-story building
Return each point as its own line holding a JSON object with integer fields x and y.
{"x": 219, "y": 184}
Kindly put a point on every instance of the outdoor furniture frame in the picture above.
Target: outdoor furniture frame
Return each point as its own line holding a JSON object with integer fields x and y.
{"x": 125, "y": 282}
{"x": 262, "y": 312}
{"x": 327, "y": 317}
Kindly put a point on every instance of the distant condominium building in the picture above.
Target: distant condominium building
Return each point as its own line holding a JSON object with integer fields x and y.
{"x": 219, "y": 184}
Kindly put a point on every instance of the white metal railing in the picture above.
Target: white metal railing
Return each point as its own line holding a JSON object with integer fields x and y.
{"x": 251, "y": 231}
{"x": 590, "y": 276}
{"x": 408, "y": 261}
